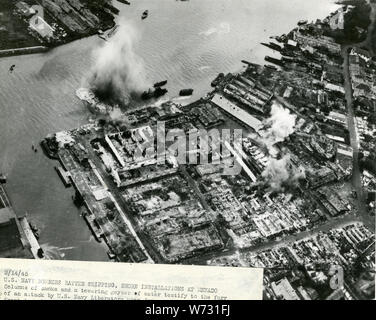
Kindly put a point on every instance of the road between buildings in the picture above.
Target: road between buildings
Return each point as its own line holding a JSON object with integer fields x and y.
{"x": 131, "y": 222}
{"x": 354, "y": 138}
{"x": 284, "y": 241}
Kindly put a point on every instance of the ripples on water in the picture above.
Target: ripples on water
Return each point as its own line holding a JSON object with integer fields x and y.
{"x": 187, "y": 43}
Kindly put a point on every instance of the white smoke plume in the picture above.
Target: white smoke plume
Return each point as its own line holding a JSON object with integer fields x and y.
{"x": 116, "y": 114}
{"x": 277, "y": 127}
{"x": 118, "y": 72}
{"x": 281, "y": 174}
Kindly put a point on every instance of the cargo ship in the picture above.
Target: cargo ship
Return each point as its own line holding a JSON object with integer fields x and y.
{"x": 160, "y": 84}
{"x": 185, "y": 92}
{"x": 249, "y": 63}
{"x": 272, "y": 46}
{"x": 156, "y": 93}
{"x": 50, "y": 147}
{"x": 276, "y": 61}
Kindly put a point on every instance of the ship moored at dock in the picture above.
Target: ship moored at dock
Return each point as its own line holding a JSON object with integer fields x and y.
{"x": 64, "y": 175}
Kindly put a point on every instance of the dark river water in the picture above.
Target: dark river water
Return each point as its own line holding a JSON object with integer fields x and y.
{"x": 188, "y": 43}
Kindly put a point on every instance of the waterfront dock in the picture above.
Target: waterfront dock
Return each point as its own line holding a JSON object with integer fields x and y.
{"x": 20, "y": 51}
{"x": 93, "y": 190}
{"x": 35, "y": 248}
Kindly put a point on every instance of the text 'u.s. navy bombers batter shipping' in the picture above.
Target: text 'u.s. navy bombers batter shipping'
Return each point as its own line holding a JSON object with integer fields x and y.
{"x": 68, "y": 280}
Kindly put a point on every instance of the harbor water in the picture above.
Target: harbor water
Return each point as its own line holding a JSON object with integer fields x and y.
{"x": 185, "y": 42}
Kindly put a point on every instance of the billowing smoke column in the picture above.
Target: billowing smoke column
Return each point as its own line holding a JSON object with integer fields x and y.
{"x": 277, "y": 127}
{"x": 281, "y": 174}
{"x": 118, "y": 73}
{"x": 115, "y": 120}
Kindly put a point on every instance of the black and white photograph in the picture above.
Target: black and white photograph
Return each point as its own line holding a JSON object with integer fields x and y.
{"x": 238, "y": 134}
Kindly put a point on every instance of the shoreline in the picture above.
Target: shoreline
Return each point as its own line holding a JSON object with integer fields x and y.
{"x": 13, "y": 52}
{"x": 23, "y": 51}
{"x": 102, "y": 26}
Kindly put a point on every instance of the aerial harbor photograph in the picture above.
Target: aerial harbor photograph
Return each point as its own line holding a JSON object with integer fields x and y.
{"x": 232, "y": 133}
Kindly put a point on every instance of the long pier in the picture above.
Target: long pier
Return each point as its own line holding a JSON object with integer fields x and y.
{"x": 20, "y": 51}
{"x": 99, "y": 229}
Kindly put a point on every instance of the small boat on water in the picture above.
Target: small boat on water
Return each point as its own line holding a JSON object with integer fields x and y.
{"x": 145, "y": 14}
{"x": 276, "y": 61}
{"x": 185, "y": 92}
{"x": 272, "y": 46}
{"x": 160, "y": 84}
{"x": 156, "y": 93}
{"x": 269, "y": 66}
{"x": 3, "y": 178}
{"x": 124, "y": 1}
{"x": 250, "y": 64}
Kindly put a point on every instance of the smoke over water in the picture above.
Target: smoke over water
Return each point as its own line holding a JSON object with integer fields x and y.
{"x": 118, "y": 73}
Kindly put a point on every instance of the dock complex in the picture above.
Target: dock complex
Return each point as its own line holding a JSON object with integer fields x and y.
{"x": 293, "y": 201}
